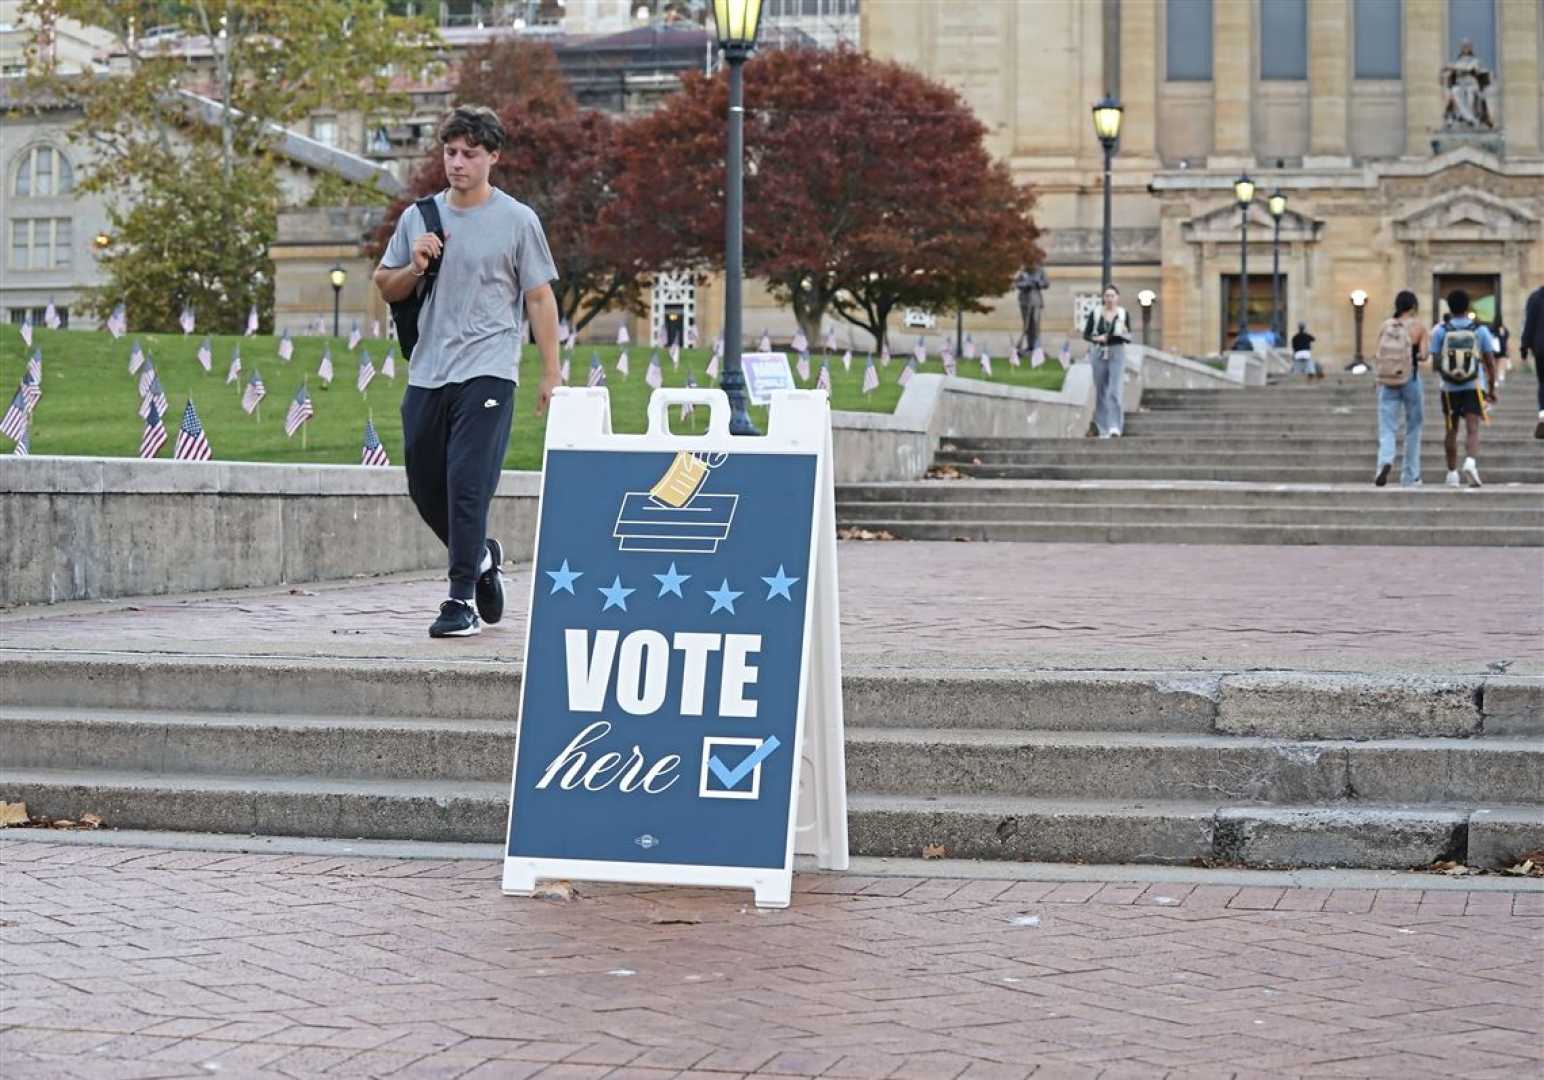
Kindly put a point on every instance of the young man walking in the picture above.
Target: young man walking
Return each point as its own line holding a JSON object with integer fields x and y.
{"x": 1464, "y": 354}
{"x": 456, "y": 414}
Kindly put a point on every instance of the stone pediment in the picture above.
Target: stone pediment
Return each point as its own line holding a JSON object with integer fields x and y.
{"x": 1466, "y": 215}
{"x": 1222, "y": 225}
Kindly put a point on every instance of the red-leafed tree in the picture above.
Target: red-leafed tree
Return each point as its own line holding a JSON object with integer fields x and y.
{"x": 514, "y": 73}
{"x": 868, "y": 187}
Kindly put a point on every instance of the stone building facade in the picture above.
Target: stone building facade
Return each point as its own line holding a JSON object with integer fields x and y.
{"x": 1339, "y": 104}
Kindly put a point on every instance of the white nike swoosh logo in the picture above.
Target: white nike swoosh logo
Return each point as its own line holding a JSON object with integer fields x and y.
{"x": 490, "y": 404}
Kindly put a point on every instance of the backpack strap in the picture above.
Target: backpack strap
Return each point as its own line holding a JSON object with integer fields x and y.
{"x": 430, "y": 212}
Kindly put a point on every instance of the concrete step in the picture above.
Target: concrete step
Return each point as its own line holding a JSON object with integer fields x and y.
{"x": 1363, "y": 429}
{"x": 1345, "y": 834}
{"x": 1222, "y": 469}
{"x": 1162, "y": 442}
{"x": 1005, "y": 509}
{"x": 1135, "y": 451}
{"x": 1304, "y": 497}
{"x": 1199, "y": 532}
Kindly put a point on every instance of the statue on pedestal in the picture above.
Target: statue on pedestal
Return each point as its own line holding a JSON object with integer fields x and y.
{"x": 1031, "y": 284}
{"x": 1464, "y": 84}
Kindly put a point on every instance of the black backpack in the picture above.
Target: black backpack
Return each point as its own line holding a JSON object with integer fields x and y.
{"x": 404, "y": 312}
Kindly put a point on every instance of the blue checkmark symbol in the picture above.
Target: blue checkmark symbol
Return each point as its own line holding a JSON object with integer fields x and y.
{"x": 731, "y": 777}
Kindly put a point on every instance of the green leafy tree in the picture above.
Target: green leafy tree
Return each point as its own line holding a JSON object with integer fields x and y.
{"x": 183, "y": 127}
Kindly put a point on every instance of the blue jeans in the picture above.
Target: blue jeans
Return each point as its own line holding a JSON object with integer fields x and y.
{"x": 1390, "y": 400}
{"x": 1109, "y": 364}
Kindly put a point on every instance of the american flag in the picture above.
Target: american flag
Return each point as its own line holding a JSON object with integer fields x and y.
{"x": 366, "y": 371}
{"x": 23, "y": 445}
{"x": 389, "y": 364}
{"x": 563, "y": 332}
{"x": 1037, "y": 357}
{"x": 823, "y": 382}
{"x": 1013, "y": 356}
{"x": 26, "y": 329}
{"x": 950, "y": 367}
{"x": 597, "y": 376}
{"x": 235, "y": 369}
{"x": 146, "y": 377}
{"x": 712, "y": 372}
{"x": 884, "y": 355}
{"x": 570, "y": 336}
{"x": 907, "y": 370}
{"x": 622, "y": 338}
{"x": 687, "y": 408}
{"x": 300, "y": 411}
{"x": 870, "y": 376}
{"x": 154, "y": 438}
{"x": 375, "y": 328}
{"x": 324, "y": 369}
{"x": 830, "y": 345}
{"x": 15, "y": 420}
{"x": 286, "y": 346}
{"x": 185, "y": 320}
{"x": 251, "y": 320}
{"x": 1066, "y": 354}
{"x": 847, "y": 360}
{"x": 254, "y": 393}
{"x": 136, "y": 357}
{"x": 803, "y": 367}
{"x": 800, "y": 343}
{"x": 31, "y": 389}
{"x": 117, "y": 323}
{"x": 675, "y": 356}
{"x": 691, "y": 335}
{"x": 35, "y": 368}
{"x": 765, "y": 345}
{"x": 986, "y": 365}
{"x": 718, "y": 345}
{"x": 206, "y": 353}
{"x": 563, "y": 371}
{"x": 51, "y": 316}
{"x": 373, "y": 452}
{"x": 624, "y": 367}
{"x": 653, "y": 375}
{"x": 969, "y": 348}
{"x": 920, "y": 351}
{"x": 154, "y": 399}
{"x": 191, "y": 443}
{"x": 353, "y": 337}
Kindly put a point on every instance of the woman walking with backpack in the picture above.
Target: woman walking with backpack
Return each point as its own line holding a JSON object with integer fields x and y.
{"x": 1396, "y": 363}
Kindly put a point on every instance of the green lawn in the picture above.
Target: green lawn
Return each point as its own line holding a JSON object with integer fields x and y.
{"x": 90, "y": 403}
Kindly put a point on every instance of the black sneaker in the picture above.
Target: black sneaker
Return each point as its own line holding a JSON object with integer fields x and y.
{"x": 457, "y": 619}
{"x": 490, "y": 586}
{"x": 1383, "y": 475}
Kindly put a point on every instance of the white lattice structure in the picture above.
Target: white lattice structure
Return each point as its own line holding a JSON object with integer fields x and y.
{"x": 673, "y": 289}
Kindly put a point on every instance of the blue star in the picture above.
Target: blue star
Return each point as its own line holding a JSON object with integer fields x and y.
{"x": 563, "y": 580}
{"x": 778, "y": 586}
{"x": 723, "y": 597}
{"x": 671, "y": 582}
{"x": 616, "y": 596}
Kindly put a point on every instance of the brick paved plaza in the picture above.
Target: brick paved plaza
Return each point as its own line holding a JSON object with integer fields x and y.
{"x": 136, "y": 963}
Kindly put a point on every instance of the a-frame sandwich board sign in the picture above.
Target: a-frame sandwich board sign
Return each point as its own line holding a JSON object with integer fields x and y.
{"x": 680, "y": 715}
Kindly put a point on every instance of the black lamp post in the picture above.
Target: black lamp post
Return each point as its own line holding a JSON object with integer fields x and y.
{"x": 1243, "y": 193}
{"x": 1359, "y": 307}
{"x": 338, "y": 276}
{"x": 1146, "y": 298}
{"x": 1278, "y": 206}
{"x": 737, "y": 22}
{"x": 1107, "y": 116}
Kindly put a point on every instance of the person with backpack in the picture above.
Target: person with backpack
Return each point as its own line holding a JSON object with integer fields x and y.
{"x": 1302, "y": 353}
{"x": 1396, "y": 364}
{"x": 1464, "y": 355}
{"x": 1532, "y": 343}
{"x": 458, "y": 271}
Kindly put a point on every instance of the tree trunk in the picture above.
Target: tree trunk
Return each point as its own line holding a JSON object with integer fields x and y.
{"x": 809, "y": 308}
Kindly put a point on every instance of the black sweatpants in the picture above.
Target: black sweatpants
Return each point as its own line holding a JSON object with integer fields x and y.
{"x": 453, "y": 443}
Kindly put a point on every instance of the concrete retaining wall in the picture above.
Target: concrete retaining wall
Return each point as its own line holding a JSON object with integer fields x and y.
{"x": 93, "y": 528}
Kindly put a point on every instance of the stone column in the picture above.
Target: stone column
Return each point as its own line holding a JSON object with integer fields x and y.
{"x": 1139, "y": 38}
{"x": 1519, "y": 76}
{"x": 1233, "y": 52}
{"x": 1425, "y": 37}
{"x": 1329, "y": 71}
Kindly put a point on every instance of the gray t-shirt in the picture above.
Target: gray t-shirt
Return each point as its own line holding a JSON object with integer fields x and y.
{"x": 472, "y": 324}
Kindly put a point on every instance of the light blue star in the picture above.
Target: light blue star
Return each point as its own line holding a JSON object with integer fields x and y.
{"x": 671, "y": 582}
{"x": 724, "y": 597}
{"x": 563, "y": 580}
{"x": 778, "y": 586}
{"x": 616, "y": 596}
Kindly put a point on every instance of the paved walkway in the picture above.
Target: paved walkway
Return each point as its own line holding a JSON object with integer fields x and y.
{"x": 956, "y": 605}
{"x": 129, "y": 963}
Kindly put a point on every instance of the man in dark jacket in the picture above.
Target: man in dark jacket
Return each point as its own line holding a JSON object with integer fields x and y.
{"x": 1533, "y": 343}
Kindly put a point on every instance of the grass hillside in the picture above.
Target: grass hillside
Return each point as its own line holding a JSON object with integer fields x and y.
{"x": 90, "y": 403}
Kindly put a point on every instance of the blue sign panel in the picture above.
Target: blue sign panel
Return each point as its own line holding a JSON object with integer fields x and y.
{"x": 660, "y": 702}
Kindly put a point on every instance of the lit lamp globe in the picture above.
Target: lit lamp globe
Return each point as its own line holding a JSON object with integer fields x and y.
{"x": 1146, "y": 297}
{"x": 337, "y": 275}
{"x": 1277, "y": 204}
{"x": 1107, "y": 117}
{"x": 1243, "y": 190}
{"x": 1358, "y": 298}
{"x": 737, "y": 23}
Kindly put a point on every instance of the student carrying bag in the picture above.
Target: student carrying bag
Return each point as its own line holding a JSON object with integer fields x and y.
{"x": 404, "y": 312}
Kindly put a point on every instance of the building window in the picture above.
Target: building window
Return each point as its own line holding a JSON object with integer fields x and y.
{"x": 1283, "y": 39}
{"x": 1378, "y": 29}
{"x": 324, "y": 129}
{"x": 18, "y": 315}
{"x": 1474, "y": 20}
{"x": 1188, "y": 40}
{"x": 41, "y": 173}
{"x": 41, "y": 243}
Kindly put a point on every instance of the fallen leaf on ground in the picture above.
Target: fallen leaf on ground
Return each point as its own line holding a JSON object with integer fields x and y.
{"x": 852, "y": 532}
{"x": 1451, "y": 869}
{"x": 674, "y": 920}
{"x": 555, "y": 890}
{"x": 1527, "y": 865}
{"x": 90, "y": 821}
{"x": 301, "y": 592}
{"x": 13, "y": 813}
{"x": 943, "y": 472}
{"x": 934, "y": 851}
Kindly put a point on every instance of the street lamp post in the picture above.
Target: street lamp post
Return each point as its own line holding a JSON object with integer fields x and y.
{"x": 1107, "y": 117}
{"x": 737, "y": 22}
{"x": 338, "y": 276}
{"x": 1278, "y": 206}
{"x": 1146, "y": 298}
{"x": 1359, "y": 307}
{"x": 1243, "y": 193}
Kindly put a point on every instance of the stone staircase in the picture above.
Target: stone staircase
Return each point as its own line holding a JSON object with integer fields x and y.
{"x": 1256, "y": 769}
{"x": 1285, "y": 464}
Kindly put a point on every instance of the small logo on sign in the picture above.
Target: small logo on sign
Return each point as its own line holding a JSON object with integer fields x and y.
{"x": 648, "y": 842}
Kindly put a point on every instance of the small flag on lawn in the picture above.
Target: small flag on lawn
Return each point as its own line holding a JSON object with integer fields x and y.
{"x": 35, "y": 368}
{"x": 624, "y": 366}
{"x": 1013, "y": 356}
{"x": 146, "y": 377}
{"x": 675, "y": 356}
{"x": 691, "y": 335}
{"x": 986, "y": 365}
{"x": 300, "y": 411}
{"x": 1066, "y": 354}
{"x": 804, "y": 367}
{"x": 31, "y": 389}
{"x": 950, "y": 367}
{"x": 687, "y": 408}
{"x": 375, "y": 328}
{"x": 191, "y": 443}
{"x": 136, "y": 357}
{"x": 800, "y": 343}
{"x": 765, "y": 344}
{"x": 907, "y": 370}
{"x": 1037, "y": 357}
{"x": 920, "y": 351}
{"x": 622, "y": 338}
{"x": 366, "y": 371}
{"x": 563, "y": 371}
{"x": 155, "y": 399}
{"x": 870, "y": 376}
{"x": 205, "y": 354}
{"x": 254, "y": 393}
{"x": 324, "y": 369}
{"x": 234, "y": 372}
{"x": 389, "y": 363}
{"x": 154, "y": 438}
{"x": 185, "y": 320}
{"x": 969, "y": 348}
{"x": 252, "y": 320}
{"x": 718, "y": 345}
{"x": 118, "y": 324}
{"x": 597, "y": 376}
{"x": 830, "y": 339}
{"x": 884, "y": 355}
{"x": 51, "y": 316}
{"x": 286, "y": 346}
{"x": 22, "y": 447}
{"x": 712, "y": 371}
{"x": 353, "y": 337}
{"x": 15, "y": 420}
{"x": 654, "y": 376}
{"x": 373, "y": 452}
{"x": 823, "y": 382}
{"x": 847, "y": 360}
{"x": 26, "y": 329}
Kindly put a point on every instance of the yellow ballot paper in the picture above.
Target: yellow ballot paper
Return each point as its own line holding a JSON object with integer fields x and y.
{"x": 684, "y": 478}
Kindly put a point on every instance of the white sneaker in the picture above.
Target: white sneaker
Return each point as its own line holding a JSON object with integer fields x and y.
{"x": 1115, "y": 433}
{"x": 1452, "y": 479}
{"x": 1471, "y": 473}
